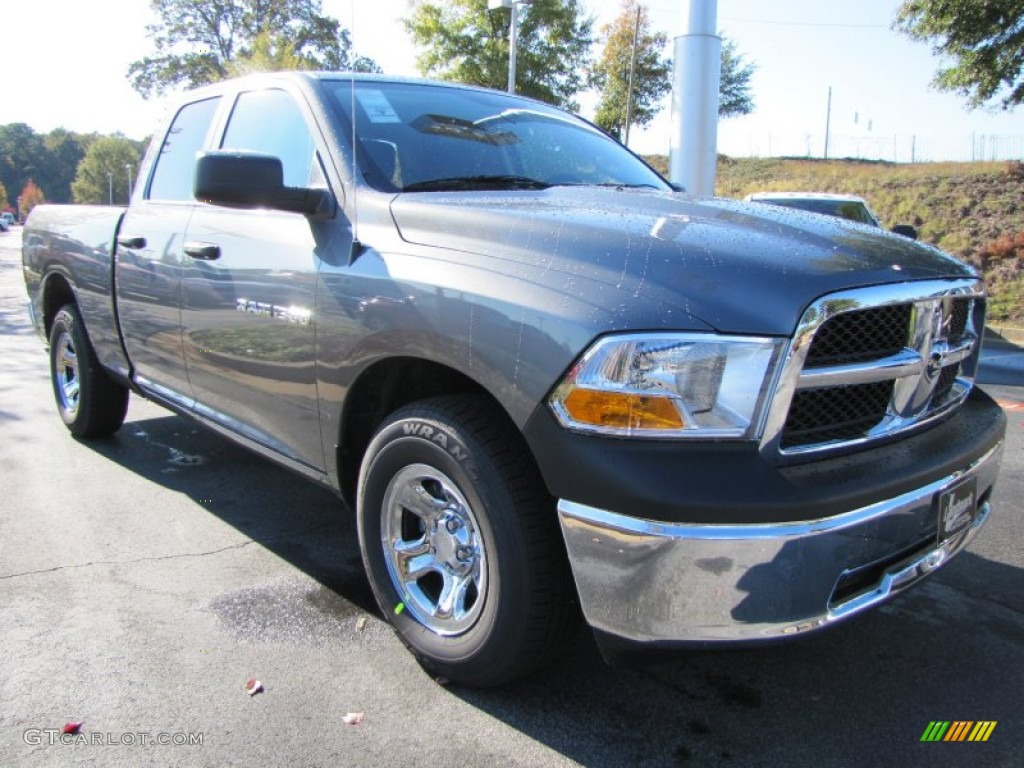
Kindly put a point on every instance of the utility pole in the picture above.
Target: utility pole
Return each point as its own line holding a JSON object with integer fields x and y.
{"x": 110, "y": 188}
{"x": 695, "y": 81}
{"x": 632, "y": 70}
{"x": 513, "y": 34}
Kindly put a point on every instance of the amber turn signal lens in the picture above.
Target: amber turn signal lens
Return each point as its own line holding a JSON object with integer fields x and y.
{"x": 622, "y": 410}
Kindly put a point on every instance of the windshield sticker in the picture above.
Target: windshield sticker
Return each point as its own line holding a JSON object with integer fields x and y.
{"x": 377, "y": 107}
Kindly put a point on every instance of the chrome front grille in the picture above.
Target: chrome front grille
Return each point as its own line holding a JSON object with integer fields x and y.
{"x": 864, "y": 334}
{"x": 830, "y": 414}
{"x": 868, "y": 363}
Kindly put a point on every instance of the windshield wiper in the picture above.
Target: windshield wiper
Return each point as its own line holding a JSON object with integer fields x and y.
{"x": 608, "y": 184}
{"x": 476, "y": 182}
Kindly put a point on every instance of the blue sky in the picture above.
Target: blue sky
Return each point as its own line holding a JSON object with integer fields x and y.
{"x": 66, "y": 63}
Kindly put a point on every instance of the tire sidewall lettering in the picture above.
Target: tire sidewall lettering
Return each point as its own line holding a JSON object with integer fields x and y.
{"x": 435, "y": 434}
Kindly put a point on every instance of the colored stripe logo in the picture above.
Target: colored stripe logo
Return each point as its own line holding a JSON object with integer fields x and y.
{"x": 958, "y": 730}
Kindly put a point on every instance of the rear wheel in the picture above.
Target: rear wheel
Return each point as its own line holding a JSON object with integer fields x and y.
{"x": 461, "y": 543}
{"x": 90, "y": 403}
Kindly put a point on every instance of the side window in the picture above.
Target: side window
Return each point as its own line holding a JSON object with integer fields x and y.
{"x": 271, "y": 122}
{"x": 176, "y": 164}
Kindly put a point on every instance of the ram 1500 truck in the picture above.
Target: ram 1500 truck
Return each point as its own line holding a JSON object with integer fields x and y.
{"x": 546, "y": 382}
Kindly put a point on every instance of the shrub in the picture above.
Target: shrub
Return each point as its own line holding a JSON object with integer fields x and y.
{"x": 1001, "y": 250}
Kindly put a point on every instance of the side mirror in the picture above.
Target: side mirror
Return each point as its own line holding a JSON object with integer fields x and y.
{"x": 906, "y": 230}
{"x": 252, "y": 180}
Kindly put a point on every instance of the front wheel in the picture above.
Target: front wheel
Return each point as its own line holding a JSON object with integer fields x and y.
{"x": 90, "y": 403}
{"x": 461, "y": 543}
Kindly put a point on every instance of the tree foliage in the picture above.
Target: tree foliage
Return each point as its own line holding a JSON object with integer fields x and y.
{"x": 652, "y": 76}
{"x": 31, "y": 196}
{"x": 196, "y": 41}
{"x": 4, "y": 204}
{"x": 49, "y": 159}
{"x": 103, "y": 175}
{"x": 734, "y": 97}
{"x": 63, "y": 152}
{"x": 267, "y": 55}
{"x": 464, "y": 42}
{"x": 984, "y": 40}
{"x": 652, "y": 73}
{"x": 22, "y": 156}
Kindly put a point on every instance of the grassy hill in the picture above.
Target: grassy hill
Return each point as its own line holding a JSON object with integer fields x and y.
{"x": 973, "y": 210}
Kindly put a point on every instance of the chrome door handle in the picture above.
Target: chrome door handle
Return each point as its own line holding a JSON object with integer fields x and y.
{"x": 131, "y": 242}
{"x": 203, "y": 251}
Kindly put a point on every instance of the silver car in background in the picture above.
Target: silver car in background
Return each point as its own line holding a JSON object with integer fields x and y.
{"x": 842, "y": 206}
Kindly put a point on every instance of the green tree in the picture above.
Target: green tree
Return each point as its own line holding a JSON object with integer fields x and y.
{"x": 197, "y": 39}
{"x": 983, "y": 40}
{"x": 22, "y": 156}
{"x": 64, "y": 151}
{"x": 4, "y": 204}
{"x": 102, "y": 175}
{"x": 268, "y": 54}
{"x": 652, "y": 76}
{"x": 464, "y": 42}
{"x": 31, "y": 196}
{"x": 734, "y": 96}
{"x": 652, "y": 73}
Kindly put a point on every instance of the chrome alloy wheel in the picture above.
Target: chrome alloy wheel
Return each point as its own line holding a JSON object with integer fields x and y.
{"x": 434, "y": 550}
{"x": 66, "y": 374}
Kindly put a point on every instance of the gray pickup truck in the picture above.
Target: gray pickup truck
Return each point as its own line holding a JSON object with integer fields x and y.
{"x": 546, "y": 382}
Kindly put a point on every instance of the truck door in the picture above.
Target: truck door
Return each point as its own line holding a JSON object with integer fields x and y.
{"x": 150, "y": 257}
{"x": 248, "y": 314}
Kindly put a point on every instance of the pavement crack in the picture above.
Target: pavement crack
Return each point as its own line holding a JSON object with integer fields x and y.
{"x": 178, "y": 556}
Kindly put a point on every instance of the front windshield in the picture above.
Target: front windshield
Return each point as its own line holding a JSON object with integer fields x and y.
{"x": 418, "y": 137}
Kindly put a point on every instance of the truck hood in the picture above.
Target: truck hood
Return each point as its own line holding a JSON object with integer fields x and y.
{"x": 738, "y": 267}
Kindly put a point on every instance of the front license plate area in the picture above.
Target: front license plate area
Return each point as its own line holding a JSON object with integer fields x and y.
{"x": 958, "y": 508}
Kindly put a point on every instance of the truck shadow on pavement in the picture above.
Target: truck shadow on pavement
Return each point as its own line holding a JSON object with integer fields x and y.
{"x": 859, "y": 694}
{"x": 300, "y": 522}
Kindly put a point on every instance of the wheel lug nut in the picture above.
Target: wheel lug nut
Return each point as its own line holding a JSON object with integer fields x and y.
{"x": 453, "y": 524}
{"x": 464, "y": 553}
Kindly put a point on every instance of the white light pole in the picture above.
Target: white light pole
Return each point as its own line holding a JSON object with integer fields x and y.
{"x": 110, "y": 188}
{"x": 828, "y": 120}
{"x": 513, "y": 35}
{"x": 698, "y": 71}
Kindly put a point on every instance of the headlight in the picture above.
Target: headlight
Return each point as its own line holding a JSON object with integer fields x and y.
{"x": 669, "y": 385}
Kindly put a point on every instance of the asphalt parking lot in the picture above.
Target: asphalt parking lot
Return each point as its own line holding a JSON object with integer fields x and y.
{"x": 145, "y": 579}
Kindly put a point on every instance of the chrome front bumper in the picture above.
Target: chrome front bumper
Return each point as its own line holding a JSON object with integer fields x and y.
{"x": 647, "y": 581}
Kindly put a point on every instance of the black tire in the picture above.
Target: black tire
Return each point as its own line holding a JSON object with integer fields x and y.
{"x": 456, "y": 464}
{"x": 90, "y": 403}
